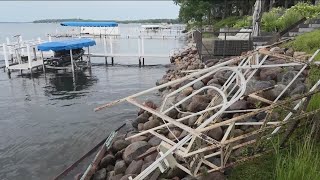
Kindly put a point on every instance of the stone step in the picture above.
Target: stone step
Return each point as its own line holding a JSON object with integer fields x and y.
{"x": 303, "y": 30}
{"x": 314, "y": 25}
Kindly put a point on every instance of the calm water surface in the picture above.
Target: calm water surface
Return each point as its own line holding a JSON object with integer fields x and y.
{"x": 47, "y": 122}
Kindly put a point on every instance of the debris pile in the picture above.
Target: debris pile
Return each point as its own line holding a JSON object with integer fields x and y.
{"x": 213, "y": 114}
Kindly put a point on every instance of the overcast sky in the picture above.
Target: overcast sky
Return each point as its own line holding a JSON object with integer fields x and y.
{"x": 22, "y": 11}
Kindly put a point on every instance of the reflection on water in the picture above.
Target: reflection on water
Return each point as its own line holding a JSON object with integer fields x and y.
{"x": 65, "y": 87}
{"x": 47, "y": 121}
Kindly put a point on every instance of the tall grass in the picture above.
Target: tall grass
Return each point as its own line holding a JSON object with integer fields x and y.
{"x": 300, "y": 162}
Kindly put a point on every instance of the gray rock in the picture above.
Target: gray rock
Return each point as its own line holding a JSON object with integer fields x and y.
{"x": 187, "y": 91}
{"x": 216, "y": 133}
{"x": 275, "y": 92}
{"x": 120, "y": 144}
{"x": 192, "y": 120}
{"x": 116, "y": 177}
{"x": 142, "y": 118}
{"x": 239, "y": 105}
{"x": 139, "y": 138}
{"x": 120, "y": 167}
{"x": 198, "y": 85}
{"x": 214, "y": 81}
{"x": 173, "y": 113}
{"x": 238, "y": 132}
{"x": 140, "y": 126}
{"x": 107, "y": 160}
{"x": 126, "y": 177}
{"x": 288, "y": 77}
{"x": 134, "y": 167}
{"x": 100, "y": 175}
{"x": 118, "y": 155}
{"x": 134, "y": 150}
{"x": 151, "y": 124}
{"x": 152, "y": 157}
{"x": 277, "y": 50}
{"x": 300, "y": 89}
{"x": 198, "y": 103}
{"x": 145, "y": 165}
{"x": 154, "y": 141}
{"x": 261, "y": 116}
{"x": 269, "y": 73}
{"x": 289, "y": 52}
{"x": 109, "y": 168}
{"x": 254, "y": 85}
{"x": 174, "y": 133}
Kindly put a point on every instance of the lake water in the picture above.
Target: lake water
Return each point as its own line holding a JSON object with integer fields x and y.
{"x": 47, "y": 122}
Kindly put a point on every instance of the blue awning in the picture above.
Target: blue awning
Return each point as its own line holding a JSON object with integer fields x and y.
{"x": 66, "y": 44}
{"x": 90, "y": 24}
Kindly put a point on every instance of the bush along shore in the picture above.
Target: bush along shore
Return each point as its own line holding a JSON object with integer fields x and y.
{"x": 122, "y": 159}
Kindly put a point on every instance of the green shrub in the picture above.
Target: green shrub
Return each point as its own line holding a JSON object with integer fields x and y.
{"x": 227, "y": 22}
{"x": 246, "y": 21}
{"x": 279, "y": 19}
{"x": 270, "y": 20}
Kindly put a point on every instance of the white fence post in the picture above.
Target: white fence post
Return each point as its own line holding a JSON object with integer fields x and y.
{"x": 111, "y": 46}
{"x": 142, "y": 45}
{"x": 139, "y": 46}
{"x": 4, "y": 46}
{"x": 29, "y": 57}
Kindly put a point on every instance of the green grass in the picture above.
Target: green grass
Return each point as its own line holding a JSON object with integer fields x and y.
{"x": 301, "y": 161}
{"x": 261, "y": 168}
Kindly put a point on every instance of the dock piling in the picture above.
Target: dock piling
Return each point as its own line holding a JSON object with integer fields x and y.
{"x": 139, "y": 61}
{"x": 142, "y": 61}
{"x": 112, "y": 61}
{"x": 4, "y": 46}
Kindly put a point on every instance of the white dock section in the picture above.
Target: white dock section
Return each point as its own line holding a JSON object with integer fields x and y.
{"x": 26, "y": 66}
{"x": 127, "y": 55}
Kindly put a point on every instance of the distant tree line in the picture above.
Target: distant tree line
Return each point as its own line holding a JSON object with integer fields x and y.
{"x": 173, "y": 21}
{"x": 206, "y": 11}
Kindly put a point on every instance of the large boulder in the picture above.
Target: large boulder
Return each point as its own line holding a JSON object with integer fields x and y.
{"x": 300, "y": 89}
{"x": 120, "y": 144}
{"x": 187, "y": 91}
{"x": 174, "y": 133}
{"x": 154, "y": 141}
{"x": 269, "y": 73}
{"x": 107, "y": 160}
{"x": 239, "y": 105}
{"x": 134, "y": 150}
{"x": 151, "y": 124}
{"x": 272, "y": 94}
{"x": 134, "y": 167}
{"x": 198, "y": 103}
{"x": 198, "y": 85}
{"x": 254, "y": 85}
{"x": 149, "y": 104}
{"x": 100, "y": 175}
{"x": 120, "y": 167}
{"x": 216, "y": 133}
{"x": 142, "y": 118}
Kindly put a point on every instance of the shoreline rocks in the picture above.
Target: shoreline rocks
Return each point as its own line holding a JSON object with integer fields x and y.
{"x": 121, "y": 161}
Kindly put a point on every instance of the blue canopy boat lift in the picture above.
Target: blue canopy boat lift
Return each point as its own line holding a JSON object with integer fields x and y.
{"x": 103, "y": 28}
{"x": 66, "y": 52}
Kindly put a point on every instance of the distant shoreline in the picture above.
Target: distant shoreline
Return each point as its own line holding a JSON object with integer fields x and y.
{"x": 56, "y": 21}
{"x": 172, "y": 21}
